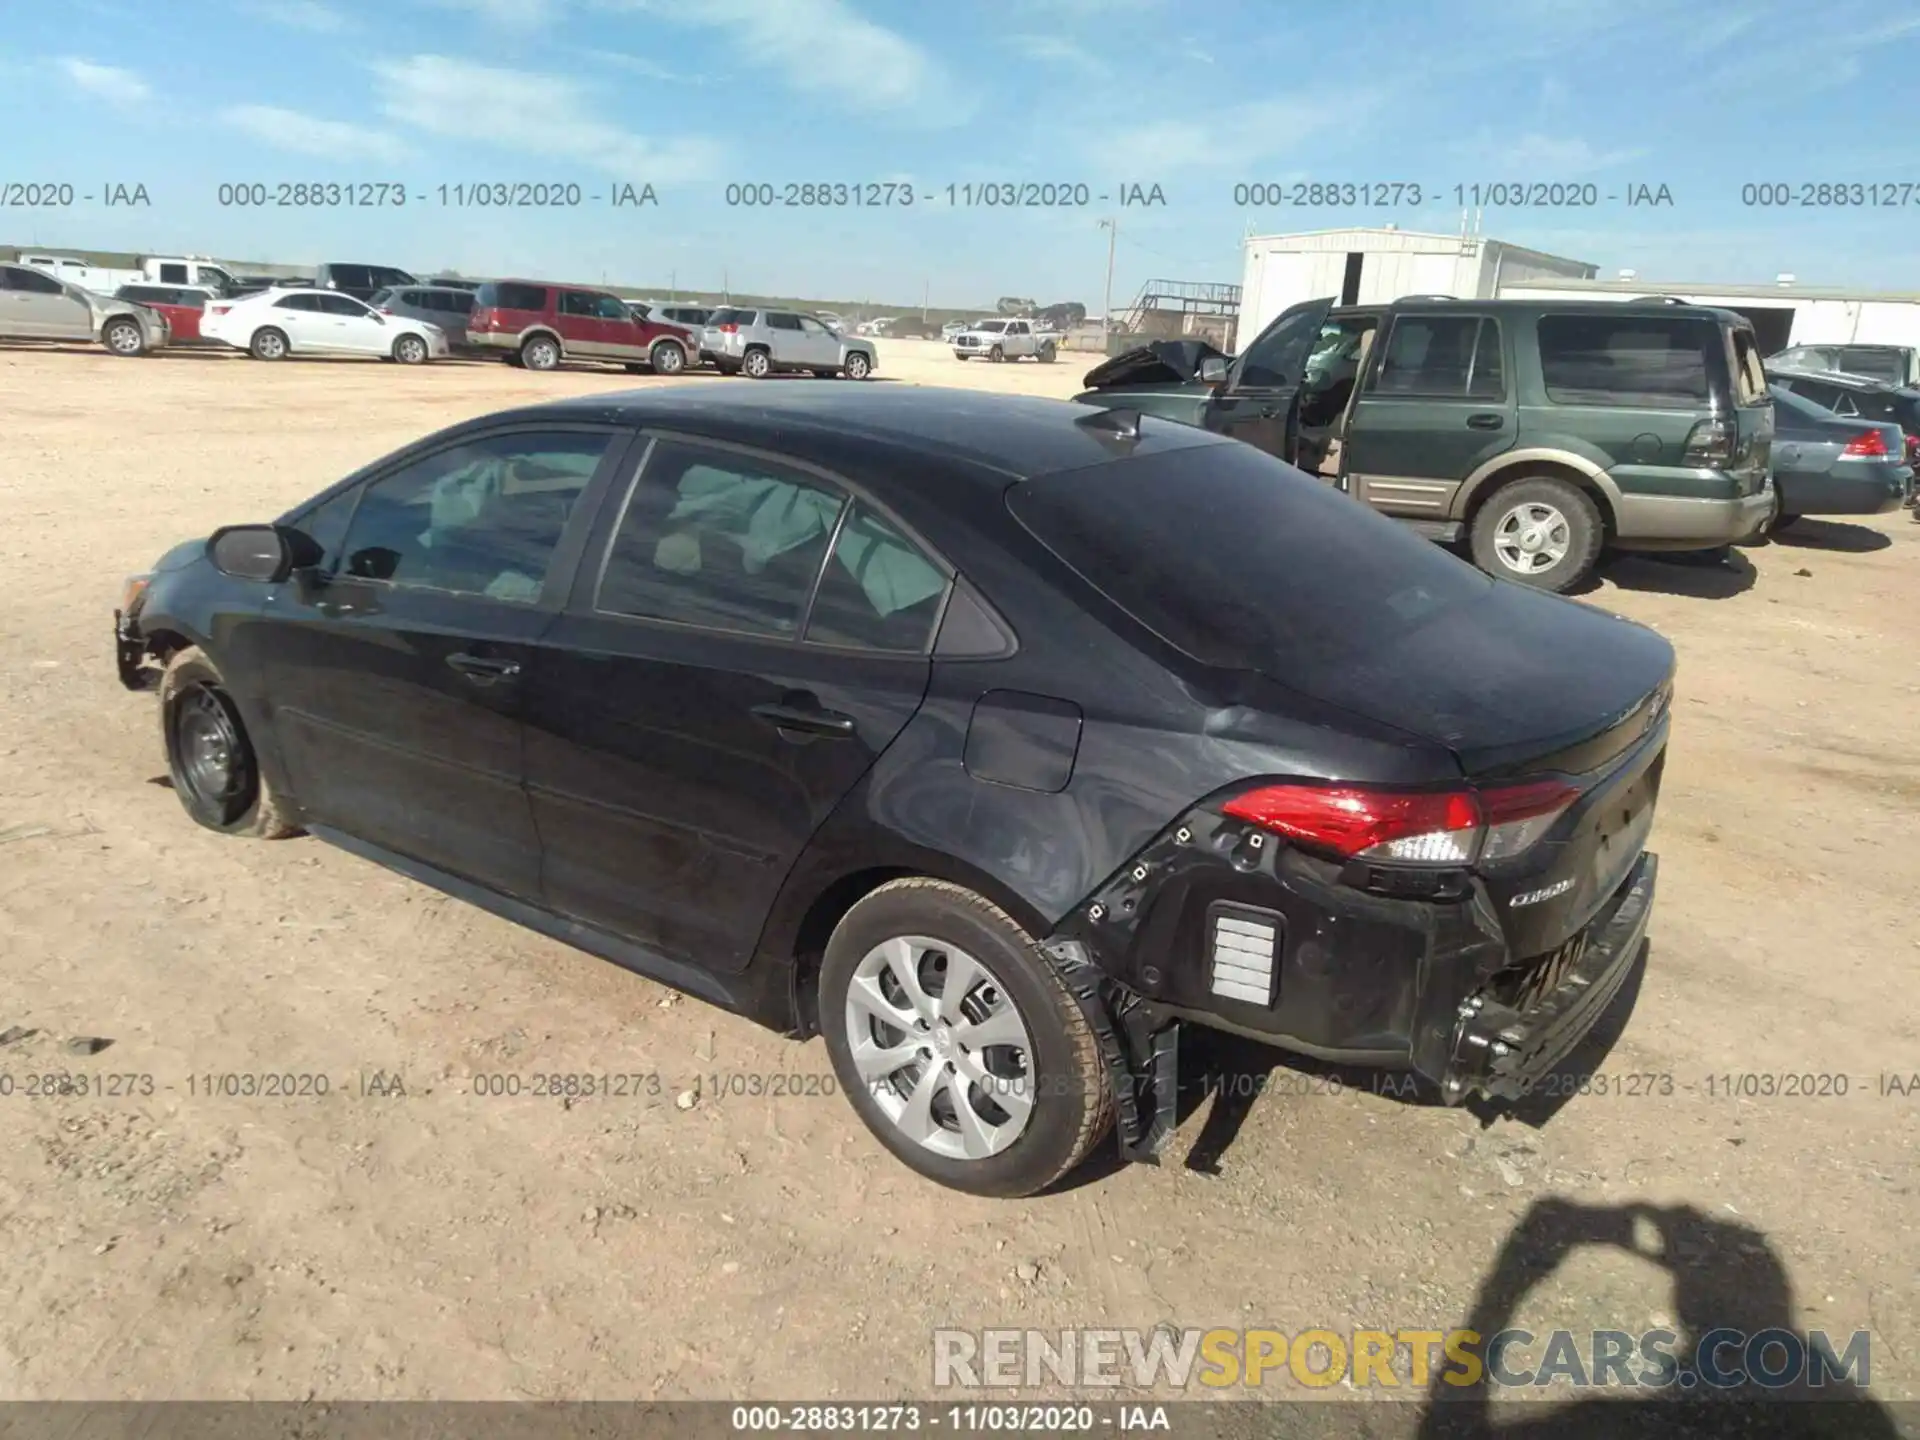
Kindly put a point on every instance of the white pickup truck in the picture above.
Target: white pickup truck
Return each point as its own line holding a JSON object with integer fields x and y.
{"x": 188, "y": 270}
{"x": 1004, "y": 340}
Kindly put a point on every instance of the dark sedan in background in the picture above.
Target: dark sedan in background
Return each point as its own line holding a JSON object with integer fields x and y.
{"x": 992, "y": 739}
{"x": 1824, "y": 465}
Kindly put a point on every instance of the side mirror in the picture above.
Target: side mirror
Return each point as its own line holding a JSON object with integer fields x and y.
{"x": 1213, "y": 370}
{"x": 268, "y": 553}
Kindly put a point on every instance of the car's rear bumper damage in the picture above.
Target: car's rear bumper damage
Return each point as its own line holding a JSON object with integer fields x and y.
{"x": 1265, "y": 942}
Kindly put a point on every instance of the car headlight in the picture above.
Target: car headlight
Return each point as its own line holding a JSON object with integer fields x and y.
{"x": 132, "y": 592}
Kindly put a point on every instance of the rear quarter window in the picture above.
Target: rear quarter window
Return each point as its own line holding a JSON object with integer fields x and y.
{"x": 1629, "y": 360}
{"x": 513, "y": 297}
{"x": 1267, "y": 568}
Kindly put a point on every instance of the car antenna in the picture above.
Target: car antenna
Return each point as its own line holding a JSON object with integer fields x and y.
{"x": 1122, "y": 424}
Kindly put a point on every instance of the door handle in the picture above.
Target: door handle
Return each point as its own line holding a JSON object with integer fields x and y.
{"x": 811, "y": 719}
{"x": 483, "y": 669}
{"x": 1486, "y": 422}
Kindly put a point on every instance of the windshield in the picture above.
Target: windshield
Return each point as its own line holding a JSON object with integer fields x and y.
{"x": 994, "y": 325}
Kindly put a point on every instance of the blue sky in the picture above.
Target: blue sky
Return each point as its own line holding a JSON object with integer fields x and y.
{"x": 1192, "y": 95}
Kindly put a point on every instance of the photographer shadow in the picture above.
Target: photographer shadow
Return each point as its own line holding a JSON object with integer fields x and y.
{"x": 1725, "y": 1276}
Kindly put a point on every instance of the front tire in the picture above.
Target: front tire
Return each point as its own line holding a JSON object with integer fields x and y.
{"x": 996, "y": 354}
{"x": 957, "y": 1042}
{"x": 210, "y": 757}
{"x": 268, "y": 344}
{"x": 123, "y": 337}
{"x": 410, "y": 350}
{"x": 667, "y": 358}
{"x": 1540, "y": 531}
{"x": 858, "y": 367}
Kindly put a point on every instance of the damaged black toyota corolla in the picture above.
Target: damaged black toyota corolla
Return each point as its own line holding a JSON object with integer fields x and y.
{"x": 992, "y": 739}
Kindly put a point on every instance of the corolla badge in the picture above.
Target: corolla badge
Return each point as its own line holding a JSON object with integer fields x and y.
{"x": 1534, "y": 897}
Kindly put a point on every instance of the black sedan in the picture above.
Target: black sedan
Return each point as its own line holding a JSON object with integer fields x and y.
{"x": 992, "y": 739}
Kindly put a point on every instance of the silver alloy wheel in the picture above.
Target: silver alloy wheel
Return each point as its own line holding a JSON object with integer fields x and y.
{"x": 269, "y": 345}
{"x": 123, "y": 337}
{"x": 857, "y": 366}
{"x": 410, "y": 350}
{"x": 667, "y": 358}
{"x": 1532, "y": 537}
{"x": 941, "y": 1047}
{"x": 541, "y": 355}
{"x": 756, "y": 364}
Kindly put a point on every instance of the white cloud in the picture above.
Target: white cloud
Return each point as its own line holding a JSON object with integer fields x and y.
{"x": 534, "y": 114}
{"x": 1546, "y": 157}
{"x": 311, "y": 135}
{"x": 109, "y": 82}
{"x": 509, "y": 14}
{"x": 1058, "y": 50}
{"x": 309, "y": 15}
{"x": 1216, "y": 138}
{"x": 815, "y": 45}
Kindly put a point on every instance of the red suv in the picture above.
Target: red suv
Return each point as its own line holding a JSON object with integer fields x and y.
{"x": 539, "y": 325}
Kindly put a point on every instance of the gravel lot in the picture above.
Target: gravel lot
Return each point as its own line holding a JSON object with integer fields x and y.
{"x": 699, "y": 1242}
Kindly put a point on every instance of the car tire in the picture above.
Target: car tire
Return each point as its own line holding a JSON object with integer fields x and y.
{"x": 1046, "y": 354}
{"x": 996, "y": 354}
{"x": 123, "y": 337}
{"x": 410, "y": 350}
{"x": 540, "y": 353}
{"x": 756, "y": 364}
{"x": 1062, "y": 1082}
{"x": 1781, "y": 522}
{"x": 210, "y": 757}
{"x": 1540, "y": 531}
{"x": 858, "y": 367}
{"x": 726, "y": 368}
{"x": 667, "y": 358}
{"x": 268, "y": 344}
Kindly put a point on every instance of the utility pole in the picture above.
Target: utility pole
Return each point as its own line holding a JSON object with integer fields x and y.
{"x": 1112, "y": 227}
{"x": 926, "y": 294}
{"x": 673, "y": 284}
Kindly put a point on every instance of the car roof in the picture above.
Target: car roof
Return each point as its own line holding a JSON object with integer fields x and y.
{"x": 1014, "y": 436}
{"x": 1440, "y": 303}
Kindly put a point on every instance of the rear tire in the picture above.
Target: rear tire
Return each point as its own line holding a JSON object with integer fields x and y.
{"x": 210, "y": 757}
{"x": 268, "y": 344}
{"x": 1046, "y": 1102}
{"x": 1046, "y": 354}
{"x": 756, "y": 364}
{"x": 1540, "y": 531}
{"x": 540, "y": 353}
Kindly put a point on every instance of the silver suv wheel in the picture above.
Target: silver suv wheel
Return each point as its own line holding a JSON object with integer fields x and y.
{"x": 1532, "y": 537}
{"x": 941, "y": 1047}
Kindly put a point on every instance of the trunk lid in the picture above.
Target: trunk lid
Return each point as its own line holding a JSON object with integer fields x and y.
{"x": 1163, "y": 362}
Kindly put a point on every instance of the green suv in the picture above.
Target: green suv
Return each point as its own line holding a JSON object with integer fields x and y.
{"x": 1539, "y": 432}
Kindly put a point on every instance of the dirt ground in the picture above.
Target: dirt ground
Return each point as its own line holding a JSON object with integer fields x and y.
{"x": 704, "y": 1241}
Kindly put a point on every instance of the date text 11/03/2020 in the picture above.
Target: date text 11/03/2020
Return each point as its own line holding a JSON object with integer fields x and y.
{"x": 1475, "y": 195}
{"x": 959, "y": 195}
{"x": 463, "y": 195}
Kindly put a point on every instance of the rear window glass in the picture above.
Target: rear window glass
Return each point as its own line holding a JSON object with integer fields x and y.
{"x": 1630, "y": 359}
{"x": 1874, "y": 363}
{"x": 509, "y": 296}
{"x": 1268, "y": 568}
{"x": 732, "y": 317}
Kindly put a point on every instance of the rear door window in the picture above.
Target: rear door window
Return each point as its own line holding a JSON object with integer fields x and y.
{"x": 1268, "y": 568}
{"x": 719, "y": 540}
{"x": 778, "y": 320}
{"x": 579, "y": 302}
{"x": 1442, "y": 357}
{"x": 879, "y": 590}
{"x": 1632, "y": 360}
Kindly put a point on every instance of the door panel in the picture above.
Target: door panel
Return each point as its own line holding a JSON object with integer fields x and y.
{"x": 1433, "y": 406}
{"x": 397, "y": 677}
{"x": 1256, "y": 403}
{"x": 677, "y": 770}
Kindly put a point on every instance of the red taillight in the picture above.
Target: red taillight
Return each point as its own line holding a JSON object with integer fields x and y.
{"x": 483, "y": 319}
{"x": 1913, "y": 449}
{"x": 218, "y": 309}
{"x": 1454, "y": 827}
{"x": 1711, "y": 442}
{"x": 729, "y": 329}
{"x": 1867, "y": 443}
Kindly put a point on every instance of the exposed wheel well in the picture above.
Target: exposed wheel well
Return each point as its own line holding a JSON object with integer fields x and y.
{"x": 816, "y": 928}
{"x": 163, "y": 645}
{"x": 1536, "y": 469}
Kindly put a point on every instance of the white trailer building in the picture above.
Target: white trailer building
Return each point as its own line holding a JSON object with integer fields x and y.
{"x": 1782, "y": 314}
{"x": 1374, "y": 266}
